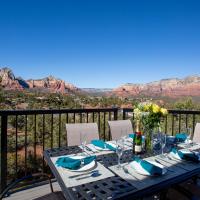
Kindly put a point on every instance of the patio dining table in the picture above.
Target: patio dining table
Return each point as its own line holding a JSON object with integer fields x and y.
{"x": 116, "y": 183}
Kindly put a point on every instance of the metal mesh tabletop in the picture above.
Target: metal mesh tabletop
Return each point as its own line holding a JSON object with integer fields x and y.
{"x": 116, "y": 187}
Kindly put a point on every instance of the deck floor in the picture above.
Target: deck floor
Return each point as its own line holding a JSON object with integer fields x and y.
{"x": 33, "y": 193}
{"x": 40, "y": 191}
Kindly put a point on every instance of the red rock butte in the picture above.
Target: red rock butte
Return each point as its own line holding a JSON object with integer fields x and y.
{"x": 9, "y": 82}
{"x": 189, "y": 86}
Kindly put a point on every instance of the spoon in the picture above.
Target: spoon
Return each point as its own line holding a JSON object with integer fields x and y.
{"x": 94, "y": 174}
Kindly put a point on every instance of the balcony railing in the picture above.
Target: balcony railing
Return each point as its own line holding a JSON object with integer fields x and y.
{"x": 176, "y": 121}
{"x": 26, "y": 133}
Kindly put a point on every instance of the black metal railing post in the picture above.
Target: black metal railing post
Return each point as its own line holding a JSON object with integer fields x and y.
{"x": 3, "y": 153}
{"x": 124, "y": 114}
{"x": 115, "y": 113}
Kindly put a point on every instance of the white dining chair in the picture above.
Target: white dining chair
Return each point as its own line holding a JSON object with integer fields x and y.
{"x": 196, "y": 135}
{"x": 74, "y": 131}
{"x": 119, "y": 127}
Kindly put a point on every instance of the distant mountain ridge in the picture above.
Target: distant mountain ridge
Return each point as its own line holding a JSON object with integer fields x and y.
{"x": 174, "y": 87}
{"x": 50, "y": 84}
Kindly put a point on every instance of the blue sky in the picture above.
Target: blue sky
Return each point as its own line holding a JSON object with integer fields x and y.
{"x": 100, "y": 43}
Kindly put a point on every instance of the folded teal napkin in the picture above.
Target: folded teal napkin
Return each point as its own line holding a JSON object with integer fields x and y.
{"x": 72, "y": 163}
{"x": 180, "y": 137}
{"x": 190, "y": 156}
{"x": 151, "y": 168}
{"x": 102, "y": 144}
{"x": 131, "y": 135}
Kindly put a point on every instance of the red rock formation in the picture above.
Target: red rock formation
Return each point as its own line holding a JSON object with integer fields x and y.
{"x": 49, "y": 84}
{"x": 52, "y": 84}
{"x": 190, "y": 86}
{"x": 8, "y": 80}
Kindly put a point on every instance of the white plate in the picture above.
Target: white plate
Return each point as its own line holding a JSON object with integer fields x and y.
{"x": 185, "y": 144}
{"x": 87, "y": 167}
{"x": 171, "y": 137}
{"x": 140, "y": 170}
{"x": 112, "y": 143}
{"x": 100, "y": 149}
{"x": 106, "y": 149}
{"x": 176, "y": 156}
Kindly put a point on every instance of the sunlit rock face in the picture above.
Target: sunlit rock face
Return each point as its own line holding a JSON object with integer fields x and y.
{"x": 189, "y": 86}
{"x": 52, "y": 84}
{"x": 8, "y": 80}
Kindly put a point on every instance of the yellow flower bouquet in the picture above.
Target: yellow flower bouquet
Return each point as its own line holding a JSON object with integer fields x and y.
{"x": 149, "y": 114}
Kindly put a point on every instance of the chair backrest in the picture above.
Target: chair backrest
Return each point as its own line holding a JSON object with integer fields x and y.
{"x": 196, "y": 136}
{"x": 119, "y": 127}
{"x": 74, "y": 131}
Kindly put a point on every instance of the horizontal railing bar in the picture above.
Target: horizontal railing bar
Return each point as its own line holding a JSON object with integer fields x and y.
{"x": 55, "y": 111}
{"x": 89, "y": 110}
{"x": 171, "y": 111}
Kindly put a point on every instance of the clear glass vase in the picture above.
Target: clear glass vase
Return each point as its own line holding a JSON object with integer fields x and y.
{"x": 149, "y": 140}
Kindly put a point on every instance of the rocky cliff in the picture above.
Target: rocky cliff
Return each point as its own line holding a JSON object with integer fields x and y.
{"x": 189, "y": 86}
{"x": 52, "y": 84}
{"x": 10, "y": 82}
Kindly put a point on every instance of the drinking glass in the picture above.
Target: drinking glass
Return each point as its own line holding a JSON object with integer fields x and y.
{"x": 189, "y": 133}
{"x": 83, "y": 141}
{"x": 124, "y": 135}
{"x": 157, "y": 143}
{"x": 119, "y": 151}
{"x": 163, "y": 142}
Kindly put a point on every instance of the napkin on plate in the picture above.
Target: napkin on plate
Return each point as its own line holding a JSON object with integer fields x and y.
{"x": 180, "y": 137}
{"x": 101, "y": 144}
{"x": 72, "y": 163}
{"x": 149, "y": 167}
{"x": 186, "y": 155}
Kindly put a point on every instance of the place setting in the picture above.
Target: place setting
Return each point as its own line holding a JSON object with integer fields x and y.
{"x": 183, "y": 140}
{"x": 184, "y": 158}
{"x": 138, "y": 170}
{"x": 81, "y": 168}
{"x": 103, "y": 147}
{"x": 96, "y": 146}
{"x": 155, "y": 168}
{"x": 146, "y": 167}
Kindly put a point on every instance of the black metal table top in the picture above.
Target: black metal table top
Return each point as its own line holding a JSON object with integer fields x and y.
{"x": 113, "y": 187}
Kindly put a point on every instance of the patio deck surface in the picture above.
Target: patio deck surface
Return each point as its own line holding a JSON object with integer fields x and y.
{"x": 33, "y": 193}
{"x": 40, "y": 191}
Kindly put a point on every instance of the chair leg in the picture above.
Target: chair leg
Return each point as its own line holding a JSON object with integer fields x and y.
{"x": 51, "y": 185}
{"x": 163, "y": 195}
{"x": 195, "y": 179}
{"x": 47, "y": 176}
{"x": 185, "y": 192}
